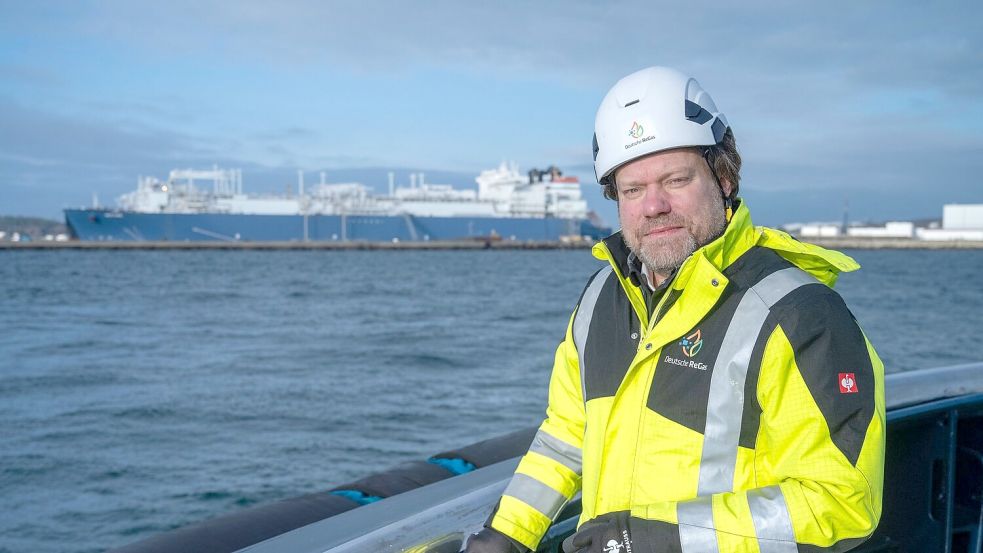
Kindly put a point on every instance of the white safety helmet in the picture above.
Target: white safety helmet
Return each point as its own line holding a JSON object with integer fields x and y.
{"x": 655, "y": 109}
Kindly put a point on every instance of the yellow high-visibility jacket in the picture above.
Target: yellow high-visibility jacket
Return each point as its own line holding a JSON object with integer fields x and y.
{"x": 747, "y": 415}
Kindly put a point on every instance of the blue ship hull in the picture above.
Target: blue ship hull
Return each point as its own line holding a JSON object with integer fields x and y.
{"x": 104, "y": 225}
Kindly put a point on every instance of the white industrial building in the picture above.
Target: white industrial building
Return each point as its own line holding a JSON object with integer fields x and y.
{"x": 962, "y": 216}
{"x": 820, "y": 229}
{"x": 941, "y": 234}
{"x": 959, "y": 222}
{"x": 891, "y": 229}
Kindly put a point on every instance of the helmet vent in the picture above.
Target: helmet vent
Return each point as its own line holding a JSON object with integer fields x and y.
{"x": 696, "y": 113}
{"x": 631, "y": 103}
{"x": 719, "y": 128}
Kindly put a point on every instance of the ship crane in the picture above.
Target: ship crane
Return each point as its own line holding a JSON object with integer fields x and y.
{"x": 536, "y": 175}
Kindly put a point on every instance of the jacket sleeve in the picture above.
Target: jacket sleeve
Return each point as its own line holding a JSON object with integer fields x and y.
{"x": 548, "y": 476}
{"x": 819, "y": 449}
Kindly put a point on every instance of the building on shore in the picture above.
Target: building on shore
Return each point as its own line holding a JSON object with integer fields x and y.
{"x": 891, "y": 229}
{"x": 959, "y": 222}
{"x": 822, "y": 230}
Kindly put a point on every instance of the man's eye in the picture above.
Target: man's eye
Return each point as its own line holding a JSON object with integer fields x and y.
{"x": 631, "y": 192}
{"x": 679, "y": 181}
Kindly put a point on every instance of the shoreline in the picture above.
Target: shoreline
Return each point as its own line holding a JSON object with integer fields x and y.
{"x": 342, "y": 246}
{"x": 832, "y": 243}
{"x": 852, "y": 243}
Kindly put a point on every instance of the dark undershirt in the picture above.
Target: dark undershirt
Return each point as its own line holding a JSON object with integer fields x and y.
{"x": 636, "y": 273}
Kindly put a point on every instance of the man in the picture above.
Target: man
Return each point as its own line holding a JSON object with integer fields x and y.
{"x": 712, "y": 394}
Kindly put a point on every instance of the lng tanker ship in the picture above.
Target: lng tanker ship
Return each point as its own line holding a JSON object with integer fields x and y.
{"x": 209, "y": 205}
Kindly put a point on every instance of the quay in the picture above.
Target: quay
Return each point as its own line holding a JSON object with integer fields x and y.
{"x": 864, "y": 243}
{"x": 838, "y": 243}
{"x": 299, "y": 245}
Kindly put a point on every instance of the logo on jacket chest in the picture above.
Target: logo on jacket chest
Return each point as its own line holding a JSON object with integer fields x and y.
{"x": 848, "y": 383}
{"x": 690, "y": 346}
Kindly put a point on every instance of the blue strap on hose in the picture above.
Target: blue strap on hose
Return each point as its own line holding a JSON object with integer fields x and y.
{"x": 357, "y": 496}
{"x": 456, "y": 466}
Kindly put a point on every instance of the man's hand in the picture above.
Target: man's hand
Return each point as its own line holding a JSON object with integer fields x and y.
{"x": 489, "y": 540}
{"x": 608, "y": 533}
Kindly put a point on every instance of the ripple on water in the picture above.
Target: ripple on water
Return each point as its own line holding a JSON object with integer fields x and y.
{"x": 184, "y": 385}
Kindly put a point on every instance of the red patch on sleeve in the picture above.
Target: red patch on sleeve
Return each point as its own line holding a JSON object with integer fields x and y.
{"x": 848, "y": 383}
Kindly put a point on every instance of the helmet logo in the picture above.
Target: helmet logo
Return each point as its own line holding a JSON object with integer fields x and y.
{"x": 636, "y": 130}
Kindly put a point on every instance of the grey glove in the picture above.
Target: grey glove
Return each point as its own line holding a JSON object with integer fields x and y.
{"x": 489, "y": 540}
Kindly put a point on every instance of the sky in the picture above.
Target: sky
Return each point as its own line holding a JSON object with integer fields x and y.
{"x": 873, "y": 106}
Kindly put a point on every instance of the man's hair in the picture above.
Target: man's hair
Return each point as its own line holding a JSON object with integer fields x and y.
{"x": 723, "y": 157}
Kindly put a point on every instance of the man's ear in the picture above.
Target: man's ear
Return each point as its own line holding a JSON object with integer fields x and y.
{"x": 726, "y": 187}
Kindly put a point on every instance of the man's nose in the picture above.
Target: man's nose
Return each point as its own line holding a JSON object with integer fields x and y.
{"x": 656, "y": 202}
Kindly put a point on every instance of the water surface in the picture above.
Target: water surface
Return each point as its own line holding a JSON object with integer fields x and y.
{"x": 143, "y": 390}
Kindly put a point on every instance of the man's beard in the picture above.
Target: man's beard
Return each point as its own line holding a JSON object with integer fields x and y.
{"x": 664, "y": 255}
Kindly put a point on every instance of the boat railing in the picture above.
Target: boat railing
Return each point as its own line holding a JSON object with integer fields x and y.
{"x": 932, "y": 496}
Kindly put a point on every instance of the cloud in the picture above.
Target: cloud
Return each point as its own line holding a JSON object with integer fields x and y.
{"x": 57, "y": 139}
{"x": 761, "y": 60}
{"x": 28, "y": 75}
{"x": 919, "y": 45}
{"x": 762, "y": 57}
{"x": 874, "y": 92}
{"x": 50, "y": 160}
{"x": 172, "y": 109}
{"x": 288, "y": 133}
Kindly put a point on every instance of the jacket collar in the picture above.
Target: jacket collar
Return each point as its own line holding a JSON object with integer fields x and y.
{"x": 614, "y": 250}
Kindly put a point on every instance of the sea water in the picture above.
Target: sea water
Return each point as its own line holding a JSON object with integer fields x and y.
{"x": 145, "y": 390}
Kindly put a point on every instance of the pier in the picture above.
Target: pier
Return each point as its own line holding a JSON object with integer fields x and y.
{"x": 298, "y": 245}
{"x": 838, "y": 243}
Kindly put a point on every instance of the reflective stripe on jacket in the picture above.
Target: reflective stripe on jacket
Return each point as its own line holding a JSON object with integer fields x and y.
{"x": 747, "y": 416}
